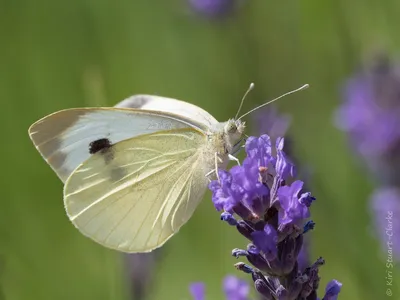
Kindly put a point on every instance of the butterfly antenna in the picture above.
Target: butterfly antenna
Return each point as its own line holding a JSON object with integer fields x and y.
{"x": 244, "y": 97}
{"x": 273, "y": 100}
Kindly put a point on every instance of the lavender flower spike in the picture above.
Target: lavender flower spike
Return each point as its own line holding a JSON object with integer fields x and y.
{"x": 370, "y": 115}
{"x": 273, "y": 210}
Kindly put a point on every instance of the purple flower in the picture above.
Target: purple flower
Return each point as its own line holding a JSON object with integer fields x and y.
{"x": 364, "y": 117}
{"x": 332, "y": 290}
{"x": 225, "y": 193}
{"x": 266, "y": 240}
{"x": 385, "y": 204}
{"x": 370, "y": 115}
{"x": 284, "y": 167}
{"x": 198, "y": 291}
{"x": 268, "y": 121}
{"x": 240, "y": 190}
{"x": 294, "y": 208}
{"x": 259, "y": 151}
{"x": 234, "y": 289}
{"x": 141, "y": 271}
{"x": 229, "y": 218}
{"x": 273, "y": 218}
{"x": 212, "y": 8}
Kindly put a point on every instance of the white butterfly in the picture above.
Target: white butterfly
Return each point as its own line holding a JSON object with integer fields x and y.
{"x": 135, "y": 173}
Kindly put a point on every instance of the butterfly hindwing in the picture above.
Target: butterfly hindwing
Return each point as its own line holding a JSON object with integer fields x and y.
{"x": 136, "y": 194}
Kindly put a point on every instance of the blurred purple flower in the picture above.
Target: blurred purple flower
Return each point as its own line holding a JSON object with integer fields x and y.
{"x": 267, "y": 120}
{"x": 140, "y": 268}
{"x": 370, "y": 114}
{"x": 273, "y": 217}
{"x": 198, "y": 291}
{"x": 234, "y": 289}
{"x": 385, "y": 204}
{"x": 212, "y": 8}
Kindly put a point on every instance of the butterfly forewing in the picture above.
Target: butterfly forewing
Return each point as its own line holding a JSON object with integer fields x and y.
{"x": 64, "y": 138}
{"x": 170, "y": 105}
{"x": 136, "y": 194}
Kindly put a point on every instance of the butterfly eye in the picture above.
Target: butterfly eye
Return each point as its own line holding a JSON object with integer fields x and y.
{"x": 232, "y": 128}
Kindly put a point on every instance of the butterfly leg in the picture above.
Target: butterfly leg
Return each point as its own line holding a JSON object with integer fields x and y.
{"x": 216, "y": 166}
{"x": 208, "y": 175}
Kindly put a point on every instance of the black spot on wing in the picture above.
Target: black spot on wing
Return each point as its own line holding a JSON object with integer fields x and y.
{"x": 102, "y": 145}
{"x": 105, "y": 148}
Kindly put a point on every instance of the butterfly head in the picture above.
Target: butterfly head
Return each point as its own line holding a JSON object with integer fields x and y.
{"x": 233, "y": 131}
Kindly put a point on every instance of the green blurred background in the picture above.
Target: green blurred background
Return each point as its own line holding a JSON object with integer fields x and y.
{"x": 62, "y": 54}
